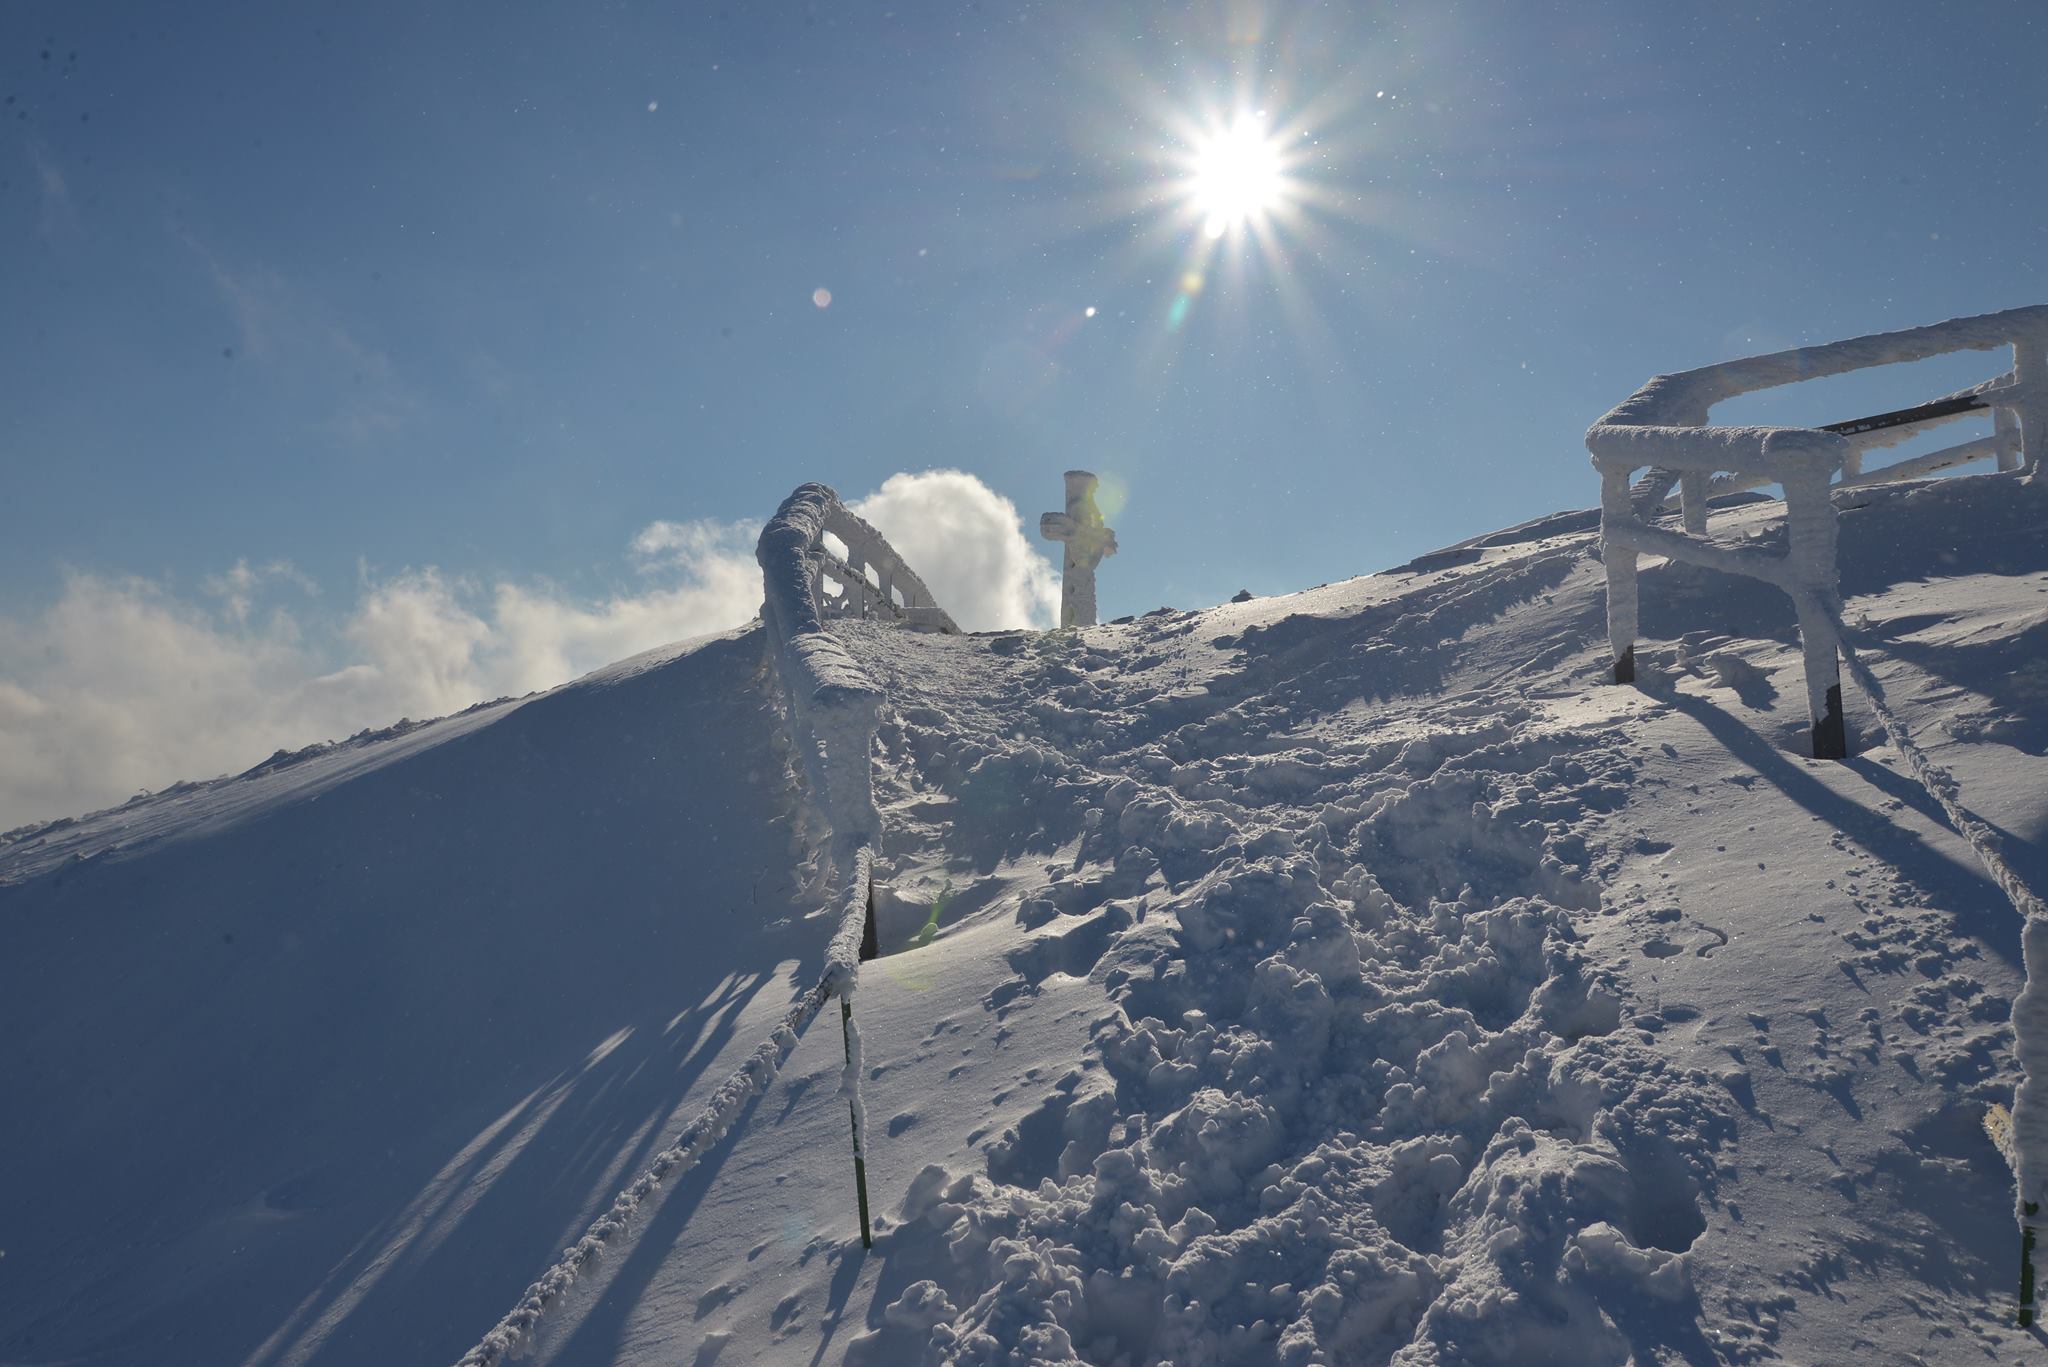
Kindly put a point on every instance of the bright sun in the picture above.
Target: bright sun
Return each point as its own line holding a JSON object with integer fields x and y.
{"x": 1237, "y": 177}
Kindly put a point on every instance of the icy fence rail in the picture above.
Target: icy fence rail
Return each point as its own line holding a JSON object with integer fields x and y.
{"x": 870, "y": 579}
{"x": 1663, "y": 427}
{"x": 834, "y": 711}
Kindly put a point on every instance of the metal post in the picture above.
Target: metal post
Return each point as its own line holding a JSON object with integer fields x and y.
{"x": 1692, "y": 501}
{"x": 860, "y": 1162}
{"x": 1812, "y": 531}
{"x": 1823, "y": 680}
{"x": 2026, "y": 1315}
{"x": 2030, "y": 370}
{"x": 1616, "y": 511}
{"x": 2005, "y": 426}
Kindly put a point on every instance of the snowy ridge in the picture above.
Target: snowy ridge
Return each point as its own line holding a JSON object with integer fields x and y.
{"x": 1387, "y": 1073}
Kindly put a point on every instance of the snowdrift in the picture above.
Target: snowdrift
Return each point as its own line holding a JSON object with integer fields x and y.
{"x": 1343, "y": 977}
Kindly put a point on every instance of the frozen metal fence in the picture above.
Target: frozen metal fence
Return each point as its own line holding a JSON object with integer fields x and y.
{"x": 864, "y": 577}
{"x": 1662, "y": 428}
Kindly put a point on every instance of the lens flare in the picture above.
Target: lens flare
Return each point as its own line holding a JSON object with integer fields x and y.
{"x": 1237, "y": 177}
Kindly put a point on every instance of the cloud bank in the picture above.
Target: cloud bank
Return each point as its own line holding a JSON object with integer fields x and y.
{"x": 124, "y": 684}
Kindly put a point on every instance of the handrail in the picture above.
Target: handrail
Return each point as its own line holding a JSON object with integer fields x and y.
{"x": 867, "y": 548}
{"x": 1920, "y": 415}
{"x": 1663, "y": 426}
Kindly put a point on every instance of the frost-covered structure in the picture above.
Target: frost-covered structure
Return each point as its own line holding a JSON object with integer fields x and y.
{"x": 833, "y": 704}
{"x": 1087, "y": 541}
{"x": 1663, "y": 427}
{"x": 862, "y": 575}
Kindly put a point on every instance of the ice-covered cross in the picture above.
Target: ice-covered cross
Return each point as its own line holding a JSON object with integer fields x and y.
{"x": 1087, "y": 541}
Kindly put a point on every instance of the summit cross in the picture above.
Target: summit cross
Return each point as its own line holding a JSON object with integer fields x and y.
{"x": 1087, "y": 542}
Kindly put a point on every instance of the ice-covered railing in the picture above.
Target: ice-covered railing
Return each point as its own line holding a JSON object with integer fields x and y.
{"x": 834, "y": 711}
{"x": 833, "y": 706}
{"x": 1662, "y": 428}
{"x": 863, "y": 576}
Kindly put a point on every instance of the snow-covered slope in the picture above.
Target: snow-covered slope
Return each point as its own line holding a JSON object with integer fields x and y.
{"x": 1344, "y": 977}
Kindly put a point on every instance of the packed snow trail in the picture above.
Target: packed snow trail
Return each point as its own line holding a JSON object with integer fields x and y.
{"x": 1371, "y": 1083}
{"x": 1360, "y": 1087}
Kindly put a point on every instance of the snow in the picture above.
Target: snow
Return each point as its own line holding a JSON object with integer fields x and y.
{"x": 1340, "y": 977}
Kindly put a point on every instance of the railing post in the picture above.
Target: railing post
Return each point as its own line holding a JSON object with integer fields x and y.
{"x": 2005, "y": 427}
{"x": 2030, "y": 369}
{"x": 860, "y": 1162}
{"x": 1692, "y": 501}
{"x": 1812, "y": 530}
{"x": 1616, "y": 511}
{"x": 857, "y": 561}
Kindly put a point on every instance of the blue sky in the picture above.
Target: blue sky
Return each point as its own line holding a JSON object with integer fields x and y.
{"x": 490, "y": 288}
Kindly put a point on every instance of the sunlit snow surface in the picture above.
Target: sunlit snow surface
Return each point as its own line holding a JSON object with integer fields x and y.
{"x": 1347, "y": 977}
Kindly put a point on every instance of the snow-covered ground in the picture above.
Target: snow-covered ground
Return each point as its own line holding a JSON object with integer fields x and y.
{"x": 1346, "y": 977}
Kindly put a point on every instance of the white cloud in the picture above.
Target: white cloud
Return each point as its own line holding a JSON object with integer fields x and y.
{"x": 124, "y": 684}
{"x": 965, "y": 541}
{"x": 237, "y": 589}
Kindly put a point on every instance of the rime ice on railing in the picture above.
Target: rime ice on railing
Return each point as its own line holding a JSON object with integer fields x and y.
{"x": 871, "y": 580}
{"x": 1663, "y": 427}
{"x": 832, "y": 702}
{"x": 835, "y": 711}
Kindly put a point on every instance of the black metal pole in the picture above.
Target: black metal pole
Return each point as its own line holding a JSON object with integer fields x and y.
{"x": 2027, "y": 1268}
{"x": 860, "y": 1163}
